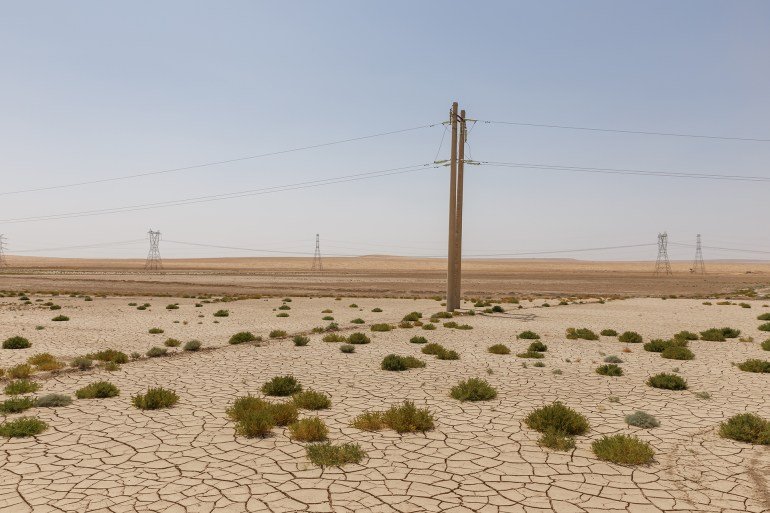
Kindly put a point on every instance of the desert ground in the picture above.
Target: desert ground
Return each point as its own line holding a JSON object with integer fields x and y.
{"x": 106, "y": 455}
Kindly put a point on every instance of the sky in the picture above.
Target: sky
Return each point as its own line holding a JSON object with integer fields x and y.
{"x": 94, "y": 90}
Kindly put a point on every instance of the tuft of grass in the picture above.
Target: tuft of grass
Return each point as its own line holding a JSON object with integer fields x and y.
{"x": 412, "y": 317}
{"x": 192, "y": 345}
{"x": 764, "y": 327}
{"x": 369, "y": 421}
{"x": 16, "y": 343}
{"x": 381, "y": 327}
{"x": 358, "y": 338}
{"x": 764, "y": 317}
{"x": 557, "y": 441}
{"x": 109, "y": 355}
{"x": 528, "y": 335}
{"x": 60, "y": 318}
{"x": 499, "y": 349}
{"x": 376, "y": 310}
{"x": 581, "y": 333}
{"x": 300, "y": 340}
{"x": 155, "y": 399}
{"x": 333, "y": 337}
{"x": 222, "y": 313}
{"x": 97, "y": 390}
{"x": 254, "y": 423}
{"x": 609, "y": 333}
{"x": 311, "y": 400}
{"x": 766, "y": 345}
{"x": 674, "y": 352}
{"x": 623, "y": 449}
{"x": 172, "y": 342}
{"x": 429, "y": 326}
{"x": 393, "y": 362}
{"x": 16, "y": 405}
{"x": 686, "y": 335}
{"x": 53, "y": 401}
{"x": 432, "y": 349}
{"x": 642, "y": 419}
{"x": 746, "y": 427}
{"x": 612, "y": 359}
{"x": 357, "y": 320}
{"x": 755, "y": 365}
{"x": 658, "y": 345}
{"x": 667, "y": 382}
{"x": 21, "y": 371}
{"x": 630, "y": 337}
{"x": 156, "y": 352}
{"x": 609, "y": 369}
{"x": 242, "y": 337}
{"x": 277, "y": 334}
{"x": 21, "y": 386}
{"x": 347, "y": 348}
{"x": 283, "y": 413}
{"x": 530, "y": 354}
{"x": 325, "y": 454}
{"x": 407, "y": 418}
{"x": 282, "y": 386}
{"x": 537, "y": 346}
{"x": 557, "y": 417}
{"x": 473, "y": 389}
{"x": 311, "y": 429}
{"x": 22, "y": 427}
{"x": 448, "y": 354}
{"x": 418, "y": 340}
{"x": 155, "y": 331}
{"x": 327, "y": 318}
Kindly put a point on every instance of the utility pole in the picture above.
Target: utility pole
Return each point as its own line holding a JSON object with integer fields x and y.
{"x": 154, "y": 263}
{"x": 3, "y": 261}
{"x": 698, "y": 266}
{"x": 451, "y": 250}
{"x": 662, "y": 264}
{"x": 459, "y": 216}
{"x": 317, "y": 265}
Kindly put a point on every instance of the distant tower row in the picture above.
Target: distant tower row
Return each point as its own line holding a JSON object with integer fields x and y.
{"x": 3, "y": 262}
{"x": 698, "y": 266}
{"x": 663, "y": 265}
{"x": 154, "y": 263}
{"x": 317, "y": 264}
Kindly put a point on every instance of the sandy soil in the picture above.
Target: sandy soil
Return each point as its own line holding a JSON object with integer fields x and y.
{"x": 105, "y": 455}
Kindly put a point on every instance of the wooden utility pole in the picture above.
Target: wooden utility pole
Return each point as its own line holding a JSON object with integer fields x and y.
{"x": 459, "y": 216}
{"x": 451, "y": 250}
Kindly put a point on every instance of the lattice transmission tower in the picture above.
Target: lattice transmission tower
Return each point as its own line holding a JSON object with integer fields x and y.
{"x": 662, "y": 264}
{"x": 3, "y": 261}
{"x": 154, "y": 262}
{"x": 698, "y": 266}
{"x": 317, "y": 264}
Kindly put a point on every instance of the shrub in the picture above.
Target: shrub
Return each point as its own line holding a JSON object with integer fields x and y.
{"x": 755, "y": 365}
{"x": 53, "y": 401}
{"x": 657, "y": 345}
{"x": 530, "y": 354}
{"x": 369, "y": 421}
{"x": 312, "y": 429}
{"x": 325, "y": 454}
{"x": 253, "y": 423}
{"x": 376, "y": 310}
{"x": 609, "y": 369}
{"x": 222, "y": 313}
{"x": 300, "y": 340}
{"x": 347, "y": 348}
{"x": 473, "y": 389}
{"x": 311, "y": 400}
{"x": 686, "y": 335}
{"x": 281, "y": 386}
{"x": 155, "y": 399}
{"x": 22, "y": 427}
{"x": 21, "y": 386}
{"x": 243, "y": 337}
{"x": 358, "y": 338}
{"x": 537, "y": 347}
{"x": 327, "y": 318}
{"x": 407, "y": 418}
{"x": 21, "y": 371}
{"x": 97, "y": 390}
{"x": 16, "y": 405}
{"x": 556, "y": 441}
{"x": 109, "y": 355}
{"x": 155, "y": 331}
{"x": 766, "y": 345}
{"x": 111, "y": 366}
{"x": 333, "y": 337}
{"x": 642, "y": 420}
{"x": 277, "y": 334}
{"x": 557, "y": 418}
{"x": 499, "y": 349}
{"x": 172, "y": 307}
{"x": 609, "y": 333}
{"x": 418, "y": 340}
{"x": 730, "y": 332}
{"x": 667, "y": 382}
{"x": 411, "y": 317}
{"x": 528, "y": 335}
{"x": 357, "y": 321}
{"x": 192, "y": 345}
{"x": 394, "y": 362}
{"x": 764, "y": 317}
{"x": 623, "y": 449}
{"x": 581, "y": 333}
{"x": 674, "y": 352}
{"x": 283, "y": 413}
{"x": 612, "y": 359}
{"x": 448, "y": 354}
{"x": 712, "y": 335}
{"x": 172, "y": 342}
{"x": 764, "y": 327}
{"x": 51, "y": 366}
{"x": 630, "y": 337}
{"x": 746, "y": 427}
{"x": 451, "y": 324}
{"x": 284, "y": 307}
{"x": 16, "y": 343}
{"x": 432, "y": 348}
{"x": 60, "y": 318}
{"x": 155, "y": 352}
{"x": 381, "y": 327}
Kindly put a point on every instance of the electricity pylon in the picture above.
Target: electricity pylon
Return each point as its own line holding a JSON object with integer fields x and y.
{"x": 3, "y": 261}
{"x": 154, "y": 262}
{"x": 317, "y": 264}
{"x": 698, "y": 265}
{"x": 456, "y": 170}
{"x": 662, "y": 264}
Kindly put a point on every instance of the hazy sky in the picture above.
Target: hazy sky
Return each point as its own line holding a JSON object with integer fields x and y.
{"x": 92, "y": 90}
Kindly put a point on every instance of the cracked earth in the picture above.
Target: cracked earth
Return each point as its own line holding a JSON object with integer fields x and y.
{"x": 104, "y": 455}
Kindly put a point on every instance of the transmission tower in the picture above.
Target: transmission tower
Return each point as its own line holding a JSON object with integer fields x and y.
{"x": 662, "y": 265}
{"x": 154, "y": 262}
{"x": 698, "y": 266}
{"x": 317, "y": 264}
{"x": 3, "y": 261}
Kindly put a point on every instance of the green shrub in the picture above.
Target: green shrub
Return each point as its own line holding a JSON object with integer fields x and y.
{"x": 311, "y": 400}
{"x": 712, "y": 335}
{"x": 283, "y": 413}
{"x": 109, "y": 355}
{"x": 97, "y": 390}
{"x": 333, "y": 337}
{"x": 432, "y": 349}
{"x": 667, "y": 382}
{"x": 358, "y": 338}
{"x": 686, "y": 335}
{"x": 222, "y": 313}
{"x": 558, "y": 418}
{"x": 21, "y": 386}
{"x": 764, "y": 317}
{"x": 674, "y": 352}
{"x": 623, "y": 449}
{"x": 16, "y": 343}
{"x": 300, "y": 340}
{"x": 418, "y": 340}
{"x": 281, "y": 386}
{"x": 612, "y": 359}
{"x": 347, "y": 348}
{"x": 172, "y": 307}
{"x": 448, "y": 354}
{"x": 407, "y": 418}
{"x": 60, "y": 318}
{"x": 111, "y": 366}
{"x": 192, "y": 345}
{"x": 556, "y": 441}
{"x": 357, "y": 321}
{"x": 16, "y": 405}
{"x": 155, "y": 331}
{"x": 642, "y": 419}
{"x": 429, "y": 326}
{"x": 21, "y": 371}
{"x": 730, "y": 332}
{"x": 277, "y": 334}
{"x": 242, "y": 337}
{"x": 538, "y": 347}
{"x": 499, "y": 349}
{"x": 764, "y": 327}
{"x": 528, "y": 335}
{"x": 22, "y": 427}
{"x": 311, "y": 429}
{"x": 473, "y": 389}
{"x": 376, "y": 310}
{"x": 53, "y": 401}
{"x": 284, "y": 307}
{"x": 172, "y": 342}
{"x": 394, "y": 362}
{"x": 657, "y": 345}
{"x": 381, "y": 327}
{"x": 253, "y": 423}
{"x": 411, "y": 317}
{"x": 746, "y": 427}
{"x": 755, "y": 365}
{"x": 155, "y": 352}
{"x": 609, "y": 369}
{"x": 766, "y": 345}
{"x": 325, "y": 454}
{"x": 369, "y": 421}
{"x": 581, "y": 333}
{"x": 155, "y": 399}
{"x": 609, "y": 333}
{"x": 630, "y": 337}
{"x": 530, "y": 354}
{"x": 327, "y": 318}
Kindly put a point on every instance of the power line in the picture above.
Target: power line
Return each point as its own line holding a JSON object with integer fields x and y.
{"x": 621, "y": 131}
{"x": 218, "y": 162}
{"x": 737, "y": 250}
{"x": 154, "y": 262}
{"x": 237, "y": 248}
{"x": 84, "y": 246}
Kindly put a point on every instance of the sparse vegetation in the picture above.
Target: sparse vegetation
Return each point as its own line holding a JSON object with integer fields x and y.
{"x": 764, "y": 327}
{"x": 609, "y": 333}
{"x": 755, "y": 365}
{"x": 403, "y": 418}
{"x": 612, "y": 359}
{"x": 581, "y": 333}
{"x": 21, "y": 386}
{"x": 192, "y": 345}
{"x": 393, "y": 362}
{"x": 300, "y": 340}
{"x": 675, "y": 352}
{"x": 528, "y": 335}
{"x": 222, "y": 313}
{"x": 642, "y": 419}
{"x": 609, "y": 369}
{"x": 16, "y": 405}
{"x": 155, "y": 399}
{"x": 311, "y": 400}
{"x": 686, "y": 335}
{"x": 667, "y": 381}
{"x": 538, "y": 347}
{"x": 277, "y": 334}
{"x": 60, "y": 318}
{"x": 357, "y": 321}
{"x": 21, "y": 371}
{"x": 282, "y": 386}
{"x": 558, "y": 424}
{"x": 311, "y": 429}
{"x": 530, "y": 354}
{"x": 156, "y": 352}
{"x": 97, "y": 390}
{"x": 418, "y": 340}
{"x": 16, "y": 343}
{"x": 499, "y": 349}
{"x": 623, "y": 449}
{"x": 358, "y": 338}
{"x": 381, "y": 327}
{"x": 333, "y": 337}
{"x": 746, "y": 427}
{"x": 473, "y": 389}
{"x": 325, "y": 454}
{"x": 155, "y": 331}
{"x": 109, "y": 355}
{"x": 347, "y": 348}
{"x": 630, "y": 337}
{"x": 53, "y": 401}
{"x": 22, "y": 427}
{"x": 172, "y": 342}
